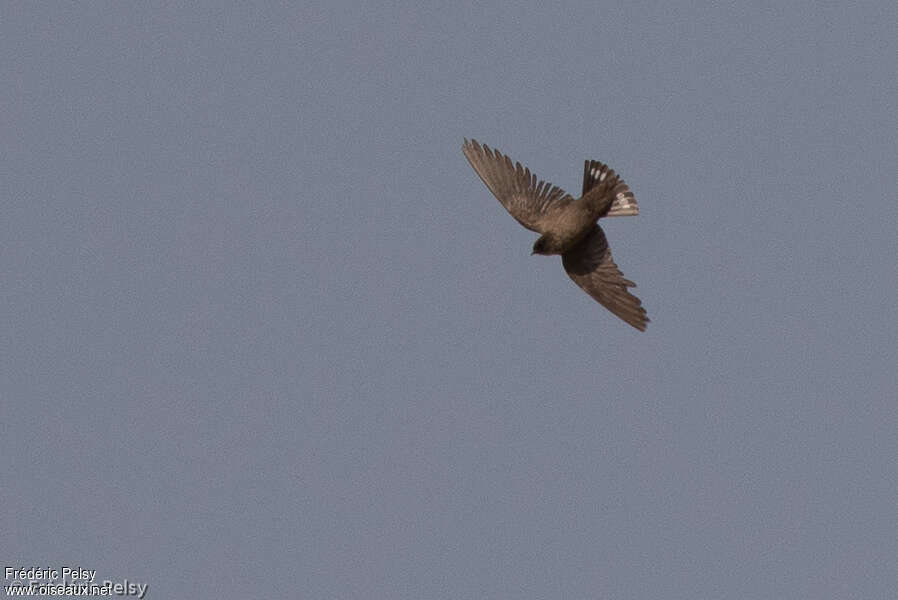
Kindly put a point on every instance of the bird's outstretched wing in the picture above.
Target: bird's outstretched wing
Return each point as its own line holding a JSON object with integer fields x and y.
{"x": 590, "y": 265}
{"x": 596, "y": 173}
{"x": 530, "y": 201}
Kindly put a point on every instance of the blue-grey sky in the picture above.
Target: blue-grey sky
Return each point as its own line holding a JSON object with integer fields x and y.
{"x": 266, "y": 334}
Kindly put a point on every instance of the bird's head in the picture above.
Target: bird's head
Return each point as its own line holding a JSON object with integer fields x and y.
{"x": 541, "y": 246}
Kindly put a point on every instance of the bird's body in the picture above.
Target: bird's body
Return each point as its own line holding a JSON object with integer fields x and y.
{"x": 567, "y": 225}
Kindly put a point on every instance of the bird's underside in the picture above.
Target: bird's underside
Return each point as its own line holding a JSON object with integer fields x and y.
{"x": 567, "y": 226}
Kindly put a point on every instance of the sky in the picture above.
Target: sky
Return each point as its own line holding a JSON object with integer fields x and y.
{"x": 266, "y": 334}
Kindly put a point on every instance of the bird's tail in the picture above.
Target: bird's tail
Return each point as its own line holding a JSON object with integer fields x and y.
{"x": 597, "y": 173}
{"x": 624, "y": 205}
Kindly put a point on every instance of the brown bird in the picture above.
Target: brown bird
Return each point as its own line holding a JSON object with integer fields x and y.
{"x": 567, "y": 226}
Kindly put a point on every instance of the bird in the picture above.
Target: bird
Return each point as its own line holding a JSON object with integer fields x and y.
{"x": 567, "y": 226}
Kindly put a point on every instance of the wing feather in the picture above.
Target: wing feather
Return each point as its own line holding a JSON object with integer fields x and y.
{"x": 590, "y": 265}
{"x": 532, "y": 202}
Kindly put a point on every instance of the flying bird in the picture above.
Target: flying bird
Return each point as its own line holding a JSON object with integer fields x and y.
{"x": 567, "y": 226}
